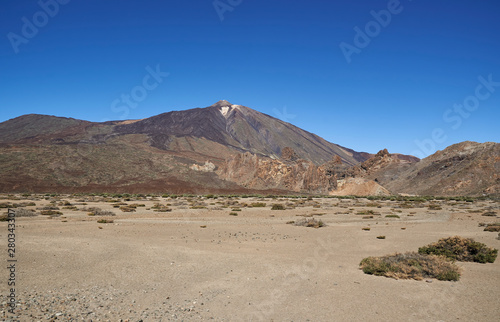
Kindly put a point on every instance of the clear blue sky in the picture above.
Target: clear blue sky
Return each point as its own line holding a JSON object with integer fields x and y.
{"x": 283, "y": 58}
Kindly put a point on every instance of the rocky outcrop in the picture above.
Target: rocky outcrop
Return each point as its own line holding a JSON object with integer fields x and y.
{"x": 255, "y": 172}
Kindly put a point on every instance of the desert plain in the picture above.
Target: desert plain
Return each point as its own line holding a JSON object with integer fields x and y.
{"x": 233, "y": 258}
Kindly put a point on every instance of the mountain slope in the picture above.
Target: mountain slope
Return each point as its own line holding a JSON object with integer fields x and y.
{"x": 48, "y": 153}
{"x": 467, "y": 168}
{"x": 241, "y": 128}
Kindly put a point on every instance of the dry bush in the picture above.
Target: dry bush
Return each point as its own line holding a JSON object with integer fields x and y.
{"x": 492, "y": 227}
{"x": 25, "y": 213}
{"x": 434, "y": 207}
{"x": 461, "y": 249}
{"x": 105, "y": 221}
{"x": 95, "y": 211}
{"x": 311, "y": 222}
{"x": 53, "y": 213}
{"x": 278, "y": 206}
{"x": 127, "y": 209}
{"x": 411, "y": 266}
{"x": 490, "y": 214}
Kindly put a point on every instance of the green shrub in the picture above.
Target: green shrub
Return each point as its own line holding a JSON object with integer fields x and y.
{"x": 392, "y": 216}
{"x": 233, "y": 214}
{"x": 258, "y": 204}
{"x": 461, "y": 249}
{"x": 277, "y": 206}
{"x": 411, "y": 266}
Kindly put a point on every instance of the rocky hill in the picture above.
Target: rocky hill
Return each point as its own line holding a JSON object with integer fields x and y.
{"x": 463, "y": 169}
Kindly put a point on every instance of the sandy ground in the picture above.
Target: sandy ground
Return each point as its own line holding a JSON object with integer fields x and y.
{"x": 154, "y": 266}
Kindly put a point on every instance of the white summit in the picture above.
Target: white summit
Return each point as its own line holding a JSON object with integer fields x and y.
{"x": 226, "y": 108}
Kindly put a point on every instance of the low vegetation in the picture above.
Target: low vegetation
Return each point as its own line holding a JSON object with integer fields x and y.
{"x": 310, "y": 222}
{"x": 461, "y": 249}
{"x": 95, "y": 211}
{"x": 492, "y": 227}
{"x": 105, "y": 221}
{"x": 277, "y": 206}
{"x": 411, "y": 266}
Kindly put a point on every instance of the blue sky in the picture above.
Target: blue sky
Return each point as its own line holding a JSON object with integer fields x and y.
{"x": 422, "y": 74}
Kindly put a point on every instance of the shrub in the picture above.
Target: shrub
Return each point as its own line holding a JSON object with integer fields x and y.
{"x": 127, "y": 209}
{"x": 461, "y": 249}
{"x": 105, "y": 221}
{"x": 311, "y": 222}
{"x": 50, "y": 213}
{"x": 95, "y": 211}
{"x": 25, "y": 213}
{"x": 258, "y": 204}
{"x": 233, "y": 214}
{"x": 411, "y": 266}
{"x": 490, "y": 214}
{"x": 278, "y": 206}
{"x": 434, "y": 207}
{"x": 392, "y": 216}
{"x": 492, "y": 227}
{"x": 381, "y": 237}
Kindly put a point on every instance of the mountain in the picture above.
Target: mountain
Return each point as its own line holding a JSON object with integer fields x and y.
{"x": 164, "y": 152}
{"x": 239, "y": 128}
{"x": 224, "y": 148}
{"x": 463, "y": 169}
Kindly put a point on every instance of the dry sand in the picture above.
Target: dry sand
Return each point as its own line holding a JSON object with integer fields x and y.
{"x": 155, "y": 266}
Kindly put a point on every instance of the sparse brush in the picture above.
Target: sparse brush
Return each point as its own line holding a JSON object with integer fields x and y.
{"x": 492, "y": 227}
{"x": 258, "y": 204}
{"x": 95, "y": 211}
{"x": 461, "y": 249}
{"x": 25, "y": 213}
{"x": 277, "y": 206}
{"x": 105, "y": 221}
{"x": 490, "y": 214}
{"x": 233, "y": 214}
{"x": 311, "y": 222}
{"x": 434, "y": 207}
{"x": 50, "y": 213}
{"x": 392, "y": 216}
{"x": 411, "y": 266}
